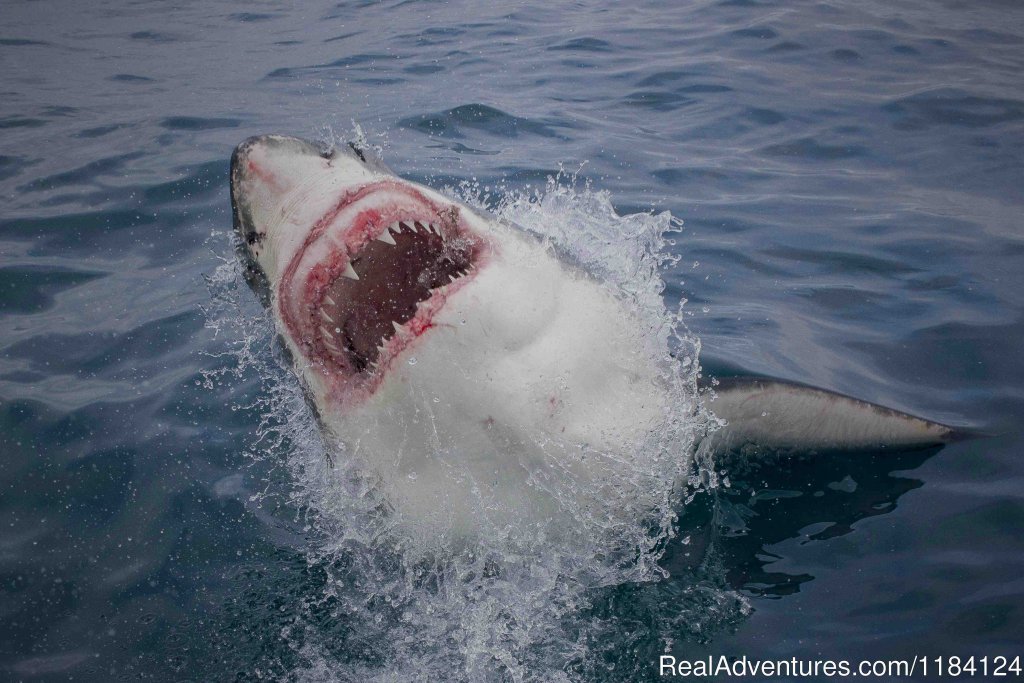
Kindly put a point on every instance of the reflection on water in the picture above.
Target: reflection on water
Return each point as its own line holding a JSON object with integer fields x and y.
{"x": 811, "y": 497}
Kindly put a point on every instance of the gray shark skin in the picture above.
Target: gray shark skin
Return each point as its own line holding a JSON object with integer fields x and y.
{"x": 779, "y": 414}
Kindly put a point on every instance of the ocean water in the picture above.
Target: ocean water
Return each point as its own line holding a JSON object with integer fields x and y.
{"x": 849, "y": 180}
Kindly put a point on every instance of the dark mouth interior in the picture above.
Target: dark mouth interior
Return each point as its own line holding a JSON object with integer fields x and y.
{"x": 358, "y": 316}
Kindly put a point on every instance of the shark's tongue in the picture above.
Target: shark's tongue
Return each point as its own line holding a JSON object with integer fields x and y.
{"x": 381, "y": 289}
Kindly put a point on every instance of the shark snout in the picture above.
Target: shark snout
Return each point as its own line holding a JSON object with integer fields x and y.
{"x": 264, "y": 170}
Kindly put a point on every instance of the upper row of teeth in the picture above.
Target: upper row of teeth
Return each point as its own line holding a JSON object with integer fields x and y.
{"x": 398, "y": 226}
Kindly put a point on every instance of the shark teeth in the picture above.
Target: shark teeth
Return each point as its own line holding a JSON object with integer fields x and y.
{"x": 398, "y": 227}
{"x": 417, "y": 268}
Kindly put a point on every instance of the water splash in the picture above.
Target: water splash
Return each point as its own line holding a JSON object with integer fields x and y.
{"x": 522, "y": 604}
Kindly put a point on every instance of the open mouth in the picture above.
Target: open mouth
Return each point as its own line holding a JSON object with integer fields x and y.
{"x": 371, "y": 275}
{"x": 383, "y": 285}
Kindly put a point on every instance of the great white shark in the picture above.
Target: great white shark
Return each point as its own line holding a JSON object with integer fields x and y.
{"x": 478, "y": 375}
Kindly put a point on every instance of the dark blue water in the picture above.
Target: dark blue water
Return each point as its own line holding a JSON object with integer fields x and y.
{"x": 851, "y": 177}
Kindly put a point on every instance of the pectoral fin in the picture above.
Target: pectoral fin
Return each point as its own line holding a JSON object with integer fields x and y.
{"x": 776, "y": 414}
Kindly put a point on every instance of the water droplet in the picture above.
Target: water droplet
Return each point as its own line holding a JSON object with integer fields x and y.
{"x": 412, "y": 360}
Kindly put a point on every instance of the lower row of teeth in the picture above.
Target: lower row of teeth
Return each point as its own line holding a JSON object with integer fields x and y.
{"x": 328, "y": 335}
{"x": 329, "y": 341}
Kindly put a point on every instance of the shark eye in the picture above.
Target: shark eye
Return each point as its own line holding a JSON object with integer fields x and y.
{"x": 383, "y": 284}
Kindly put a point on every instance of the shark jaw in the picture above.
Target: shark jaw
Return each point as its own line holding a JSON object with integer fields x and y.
{"x": 357, "y": 264}
{"x": 370, "y": 277}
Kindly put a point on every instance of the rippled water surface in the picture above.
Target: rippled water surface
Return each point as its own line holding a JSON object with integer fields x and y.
{"x": 850, "y": 179}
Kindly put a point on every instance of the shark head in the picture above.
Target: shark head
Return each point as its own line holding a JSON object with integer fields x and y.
{"x": 438, "y": 341}
{"x": 358, "y": 262}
